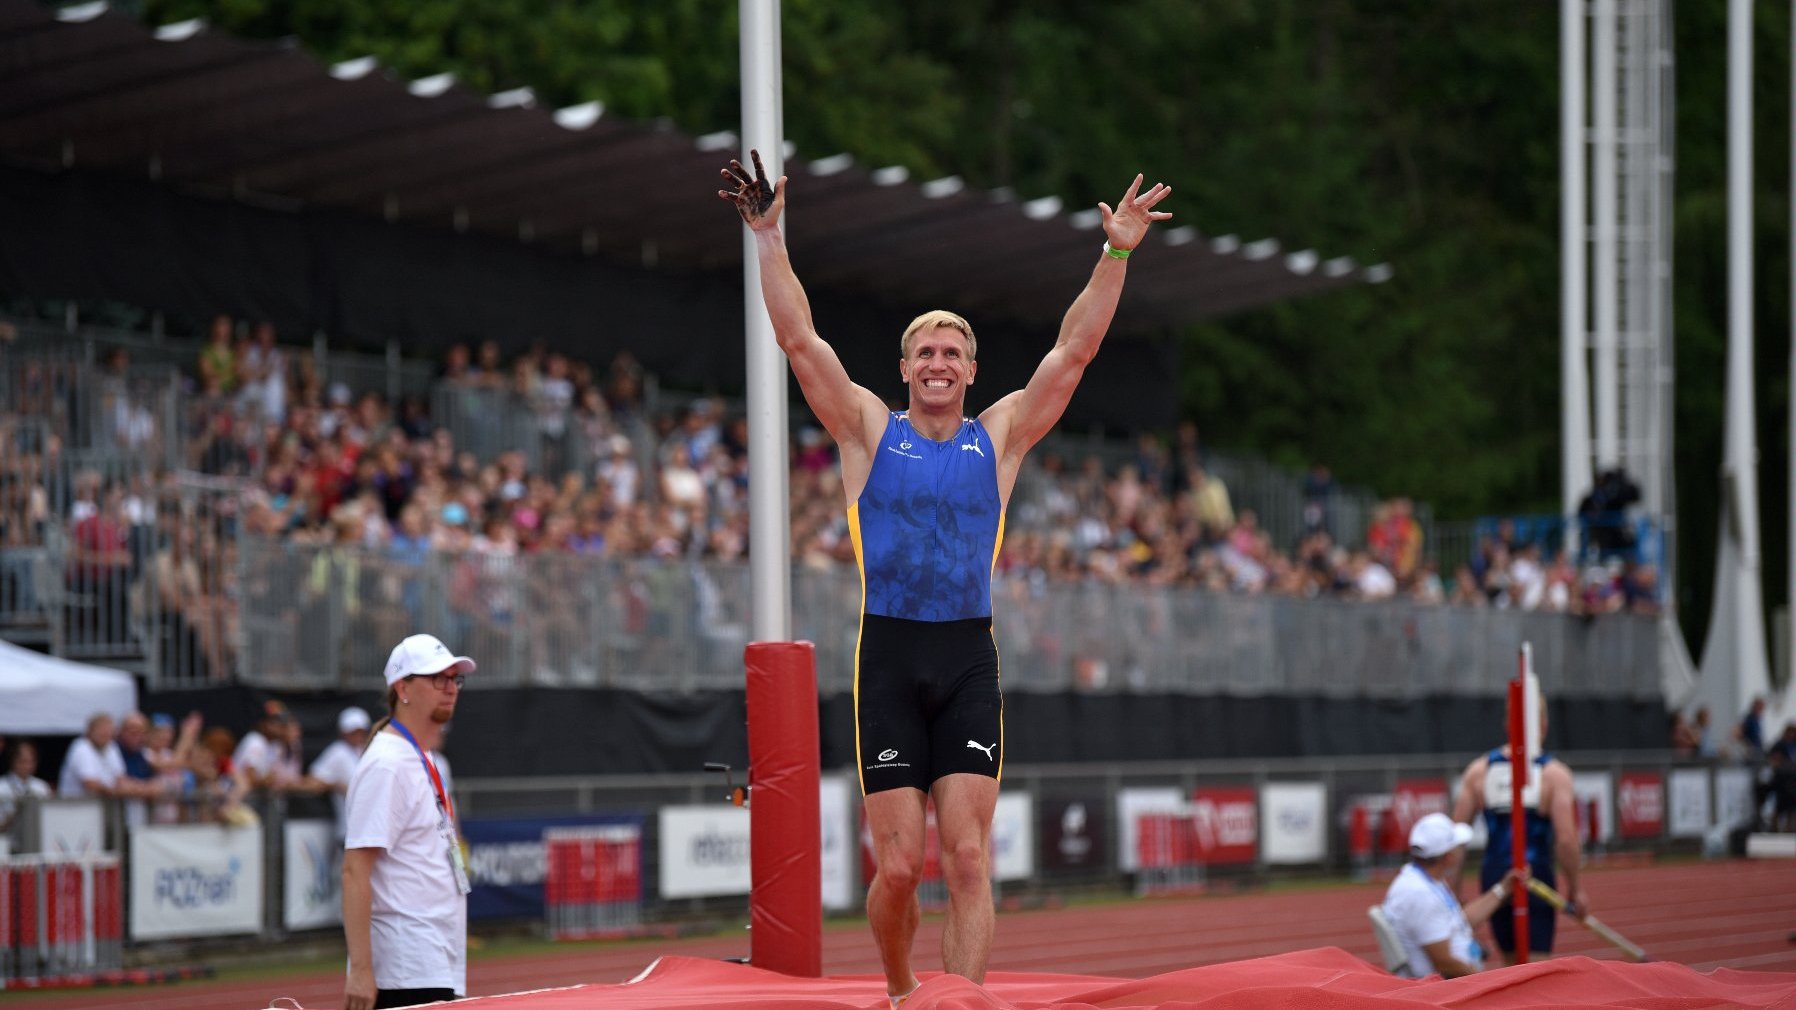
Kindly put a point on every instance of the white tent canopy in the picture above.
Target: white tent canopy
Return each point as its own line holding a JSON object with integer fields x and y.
{"x": 43, "y": 695}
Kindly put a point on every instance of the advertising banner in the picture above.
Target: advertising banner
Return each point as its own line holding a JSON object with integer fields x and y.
{"x": 312, "y": 893}
{"x": 1295, "y": 816}
{"x": 1640, "y": 805}
{"x": 1597, "y": 786}
{"x": 704, "y": 850}
{"x": 1414, "y": 799}
{"x": 1130, "y": 805}
{"x": 507, "y": 860}
{"x": 1733, "y": 797}
{"x": 1227, "y": 823}
{"x": 1073, "y": 833}
{"x": 835, "y": 807}
{"x": 1687, "y": 794}
{"x": 68, "y": 829}
{"x": 195, "y": 880}
{"x": 1013, "y": 837}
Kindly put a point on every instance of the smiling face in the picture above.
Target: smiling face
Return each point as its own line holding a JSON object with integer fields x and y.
{"x": 938, "y": 366}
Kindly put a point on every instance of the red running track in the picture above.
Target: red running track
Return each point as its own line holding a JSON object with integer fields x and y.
{"x": 1735, "y": 914}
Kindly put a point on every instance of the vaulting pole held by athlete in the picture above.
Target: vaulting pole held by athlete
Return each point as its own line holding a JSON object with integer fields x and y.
{"x": 1554, "y": 898}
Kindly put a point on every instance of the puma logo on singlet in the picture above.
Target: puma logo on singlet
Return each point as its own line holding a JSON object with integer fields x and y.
{"x": 973, "y": 446}
{"x": 973, "y": 744}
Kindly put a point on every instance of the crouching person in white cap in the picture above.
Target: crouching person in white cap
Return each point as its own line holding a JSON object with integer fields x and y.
{"x": 405, "y": 887}
{"x": 1435, "y": 930}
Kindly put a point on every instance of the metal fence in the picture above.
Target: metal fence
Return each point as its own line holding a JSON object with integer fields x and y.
{"x": 318, "y": 617}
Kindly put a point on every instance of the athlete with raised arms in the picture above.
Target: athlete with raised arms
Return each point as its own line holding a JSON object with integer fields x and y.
{"x": 926, "y": 490}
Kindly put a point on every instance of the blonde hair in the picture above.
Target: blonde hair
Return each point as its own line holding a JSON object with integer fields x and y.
{"x": 383, "y": 721}
{"x": 932, "y": 319}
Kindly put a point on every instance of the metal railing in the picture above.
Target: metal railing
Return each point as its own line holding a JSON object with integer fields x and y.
{"x": 320, "y": 617}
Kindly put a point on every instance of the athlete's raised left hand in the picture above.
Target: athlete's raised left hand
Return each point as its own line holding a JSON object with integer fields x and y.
{"x": 1127, "y": 224}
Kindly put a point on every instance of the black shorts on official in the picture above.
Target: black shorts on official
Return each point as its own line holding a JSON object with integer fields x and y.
{"x": 926, "y": 702}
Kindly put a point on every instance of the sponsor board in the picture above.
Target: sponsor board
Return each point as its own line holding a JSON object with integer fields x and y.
{"x": 1073, "y": 833}
{"x": 195, "y": 880}
{"x": 1597, "y": 786}
{"x": 1733, "y": 797}
{"x": 834, "y": 808}
{"x": 1013, "y": 837}
{"x": 1687, "y": 800}
{"x": 72, "y": 828}
{"x": 704, "y": 850}
{"x": 507, "y": 861}
{"x": 1130, "y": 805}
{"x": 1640, "y": 805}
{"x": 312, "y": 885}
{"x": 1414, "y": 799}
{"x": 1227, "y": 825}
{"x": 1295, "y": 818}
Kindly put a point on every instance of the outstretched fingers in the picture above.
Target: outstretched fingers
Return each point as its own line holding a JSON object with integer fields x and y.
{"x": 1129, "y": 196}
{"x": 738, "y": 175}
{"x": 1153, "y": 196}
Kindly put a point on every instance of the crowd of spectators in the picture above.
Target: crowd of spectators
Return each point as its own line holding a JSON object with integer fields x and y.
{"x": 167, "y": 771}
{"x": 606, "y": 475}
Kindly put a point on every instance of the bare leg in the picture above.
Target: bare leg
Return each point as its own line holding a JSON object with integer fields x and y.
{"x": 895, "y": 818}
{"x": 963, "y": 814}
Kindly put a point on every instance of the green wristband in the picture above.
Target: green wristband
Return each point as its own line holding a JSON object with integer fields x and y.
{"x": 1115, "y": 253}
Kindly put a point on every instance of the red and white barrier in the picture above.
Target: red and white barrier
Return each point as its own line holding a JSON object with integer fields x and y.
{"x": 62, "y": 922}
{"x": 1167, "y": 854}
{"x": 592, "y": 886}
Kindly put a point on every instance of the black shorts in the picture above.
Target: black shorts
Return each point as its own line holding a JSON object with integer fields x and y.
{"x": 1543, "y": 923}
{"x": 926, "y": 702}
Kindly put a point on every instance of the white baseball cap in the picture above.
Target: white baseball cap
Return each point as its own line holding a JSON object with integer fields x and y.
{"x": 424, "y": 654}
{"x": 351, "y": 719}
{"x": 1436, "y": 835}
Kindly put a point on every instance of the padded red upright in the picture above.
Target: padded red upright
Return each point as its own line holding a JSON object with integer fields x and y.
{"x": 785, "y": 830}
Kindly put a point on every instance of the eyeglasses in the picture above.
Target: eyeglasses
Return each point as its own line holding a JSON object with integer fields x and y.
{"x": 441, "y": 681}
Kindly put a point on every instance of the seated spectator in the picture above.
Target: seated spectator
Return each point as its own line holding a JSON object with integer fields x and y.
{"x": 1435, "y": 931}
{"x": 21, "y": 783}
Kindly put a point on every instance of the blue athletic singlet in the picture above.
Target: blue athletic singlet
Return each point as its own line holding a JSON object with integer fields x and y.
{"x": 928, "y": 525}
{"x": 1499, "y": 857}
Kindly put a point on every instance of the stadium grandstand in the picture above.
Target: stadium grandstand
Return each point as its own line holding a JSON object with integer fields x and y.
{"x": 301, "y": 358}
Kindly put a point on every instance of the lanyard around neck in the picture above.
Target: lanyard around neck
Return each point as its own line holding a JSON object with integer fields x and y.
{"x": 430, "y": 769}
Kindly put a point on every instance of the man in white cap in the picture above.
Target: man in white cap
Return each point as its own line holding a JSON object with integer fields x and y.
{"x": 1435, "y": 931}
{"x": 333, "y": 769}
{"x": 405, "y": 885}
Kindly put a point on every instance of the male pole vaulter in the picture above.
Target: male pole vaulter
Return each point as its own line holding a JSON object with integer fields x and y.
{"x": 926, "y": 490}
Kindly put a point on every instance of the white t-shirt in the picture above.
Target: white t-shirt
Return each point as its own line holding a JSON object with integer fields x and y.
{"x": 14, "y": 790}
{"x": 418, "y": 932}
{"x": 1422, "y": 911}
{"x": 336, "y": 766}
{"x": 267, "y": 759}
{"x": 85, "y": 763}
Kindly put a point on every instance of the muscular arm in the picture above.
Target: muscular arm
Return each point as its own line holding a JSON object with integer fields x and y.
{"x": 848, "y": 412}
{"x": 1556, "y": 783}
{"x": 358, "y": 912}
{"x": 1020, "y": 419}
{"x": 1468, "y": 799}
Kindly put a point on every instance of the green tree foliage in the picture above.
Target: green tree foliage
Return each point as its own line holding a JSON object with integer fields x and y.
{"x": 1423, "y": 133}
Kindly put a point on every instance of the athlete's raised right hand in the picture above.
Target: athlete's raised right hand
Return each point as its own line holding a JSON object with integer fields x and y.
{"x": 758, "y": 202}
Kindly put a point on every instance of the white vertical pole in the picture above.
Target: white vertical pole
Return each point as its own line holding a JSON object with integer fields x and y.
{"x": 1734, "y": 670}
{"x": 769, "y": 530}
{"x": 1607, "y": 292}
{"x": 1574, "y": 380}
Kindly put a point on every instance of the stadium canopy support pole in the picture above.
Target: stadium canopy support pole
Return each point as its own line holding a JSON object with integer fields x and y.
{"x": 786, "y": 881}
{"x": 1574, "y": 379}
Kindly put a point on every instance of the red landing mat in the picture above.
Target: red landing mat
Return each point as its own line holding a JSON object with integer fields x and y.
{"x": 1326, "y": 978}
